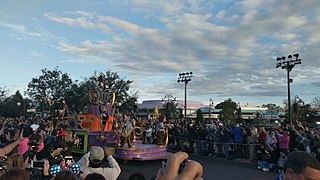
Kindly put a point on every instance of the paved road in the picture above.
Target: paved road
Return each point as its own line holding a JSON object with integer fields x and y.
{"x": 214, "y": 169}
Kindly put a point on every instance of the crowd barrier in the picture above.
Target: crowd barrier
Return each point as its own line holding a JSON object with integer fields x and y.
{"x": 231, "y": 150}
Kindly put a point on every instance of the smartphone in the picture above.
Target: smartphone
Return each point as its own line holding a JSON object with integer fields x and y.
{"x": 68, "y": 160}
{"x": 37, "y": 164}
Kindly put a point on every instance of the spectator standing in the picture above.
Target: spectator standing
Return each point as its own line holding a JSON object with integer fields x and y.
{"x": 192, "y": 134}
{"x": 284, "y": 140}
{"x": 92, "y": 162}
{"x": 238, "y": 139}
{"x": 203, "y": 135}
{"x": 225, "y": 140}
{"x": 252, "y": 140}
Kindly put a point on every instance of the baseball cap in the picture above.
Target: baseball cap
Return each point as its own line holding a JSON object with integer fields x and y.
{"x": 34, "y": 127}
{"x": 96, "y": 154}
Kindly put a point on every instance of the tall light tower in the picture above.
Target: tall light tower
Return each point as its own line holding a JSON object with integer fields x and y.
{"x": 211, "y": 104}
{"x": 288, "y": 64}
{"x": 185, "y": 78}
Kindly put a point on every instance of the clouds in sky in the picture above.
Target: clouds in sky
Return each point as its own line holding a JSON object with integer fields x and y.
{"x": 230, "y": 46}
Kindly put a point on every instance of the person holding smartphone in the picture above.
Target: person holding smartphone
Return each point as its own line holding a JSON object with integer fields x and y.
{"x": 8, "y": 148}
{"x": 92, "y": 162}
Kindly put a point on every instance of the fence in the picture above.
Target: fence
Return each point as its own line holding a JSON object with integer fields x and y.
{"x": 229, "y": 150}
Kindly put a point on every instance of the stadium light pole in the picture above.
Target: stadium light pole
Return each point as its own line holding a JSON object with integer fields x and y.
{"x": 288, "y": 64}
{"x": 211, "y": 104}
{"x": 185, "y": 78}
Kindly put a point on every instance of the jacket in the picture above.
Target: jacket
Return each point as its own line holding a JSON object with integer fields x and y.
{"x": 111, "y": 172}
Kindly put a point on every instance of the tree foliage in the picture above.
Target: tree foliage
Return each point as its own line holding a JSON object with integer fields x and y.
{"x": 170, "y": 109}
{"x": 199, "y": 119}
{"x": 49, "y": 89}
{"x": 228, "y": 109}
{"x": 77, "y": 97}
{"x": 125, "y": 98}
{"x": 13, "y": 106}
{"x": 315, "y": 103}
{"x": 53, "y": 88}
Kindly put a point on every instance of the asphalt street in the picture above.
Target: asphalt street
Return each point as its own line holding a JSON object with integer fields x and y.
{"x": 214, "y": 169}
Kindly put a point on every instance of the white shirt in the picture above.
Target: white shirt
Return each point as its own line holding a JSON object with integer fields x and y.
{"x": 110, "y": 173}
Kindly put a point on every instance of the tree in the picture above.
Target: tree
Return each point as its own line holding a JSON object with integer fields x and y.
{"x": 3, "y": 95}
{"x": 229, "y": 109}
{"x": 13, "y": 105}
{"x": 49, "y": 89}
{"x": 315, "y": 103}
{"x": 77, "y": 97}
{"x": 169, "y": 108}
{"x": 124, "y": 96}
{"x": 199, "y": 119}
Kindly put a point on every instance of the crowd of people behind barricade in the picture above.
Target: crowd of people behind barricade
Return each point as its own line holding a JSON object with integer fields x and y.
{"x": 39, "y": 149}
{"x": 267, "y": 146}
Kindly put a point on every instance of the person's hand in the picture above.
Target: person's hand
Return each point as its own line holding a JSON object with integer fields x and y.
{"x": 17, "y": 135}
{"x": 192, "y": 170}
{"x": 56, "y": 152}
{"x": 41, "y": 133}
{"x": 26, "y": 162}
{"x": 107, "y": 151}
{"x": 21, "y": 135}
{"x": 46, "y": 168}
{"x": 2, "y": 130}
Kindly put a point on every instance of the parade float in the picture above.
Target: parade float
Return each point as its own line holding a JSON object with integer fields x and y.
{"x": 105, "y": 125}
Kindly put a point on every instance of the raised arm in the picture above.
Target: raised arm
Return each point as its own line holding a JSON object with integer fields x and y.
{"x": 8, "y": 148}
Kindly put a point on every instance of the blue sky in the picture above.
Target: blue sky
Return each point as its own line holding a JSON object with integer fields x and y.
{"x": 229, "y": 45}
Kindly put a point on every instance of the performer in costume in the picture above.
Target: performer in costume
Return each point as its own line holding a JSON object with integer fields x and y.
{"x": 106, "y": 99}
{"x": 127, "y": 134}
{"x": 160, "y": 130}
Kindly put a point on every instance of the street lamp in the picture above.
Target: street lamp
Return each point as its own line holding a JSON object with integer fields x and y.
{"x": 169, "y": 98}
{"x": 211, "y": 104}
{"x": 288, "y": 64}
{"x": 185, "y": 78}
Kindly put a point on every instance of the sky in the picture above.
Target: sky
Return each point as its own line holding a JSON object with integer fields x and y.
{"x": 231, "y": 46}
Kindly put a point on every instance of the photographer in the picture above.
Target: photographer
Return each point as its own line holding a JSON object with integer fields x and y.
{"x": 33, "y": 147}
{"x": 192, "y": 169}
{"x": 54, "y": 152}
{"x": 8, "y": 148}
{"x": 37, "y": 139}
{"x": 92, "y": 162}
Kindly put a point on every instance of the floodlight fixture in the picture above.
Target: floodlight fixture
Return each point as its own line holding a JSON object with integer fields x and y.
{"x": 185, "y": 77}
{"x": 288, "y": 65}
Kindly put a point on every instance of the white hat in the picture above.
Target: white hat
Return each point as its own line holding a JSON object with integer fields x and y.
{"x": 96, "y": 154}
{"x": 34, "y": 127}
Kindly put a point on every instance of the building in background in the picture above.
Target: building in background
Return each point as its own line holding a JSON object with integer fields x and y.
{"x": 147, "y": 108}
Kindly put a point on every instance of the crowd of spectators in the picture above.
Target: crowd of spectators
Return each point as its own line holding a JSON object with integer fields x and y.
{"x": 267, "y": 146}
{"x": 38, "y": 148}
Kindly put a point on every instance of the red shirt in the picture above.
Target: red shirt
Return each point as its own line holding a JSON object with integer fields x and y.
{"x": 262, "y": 138}
{"x": 283, "y": 141}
